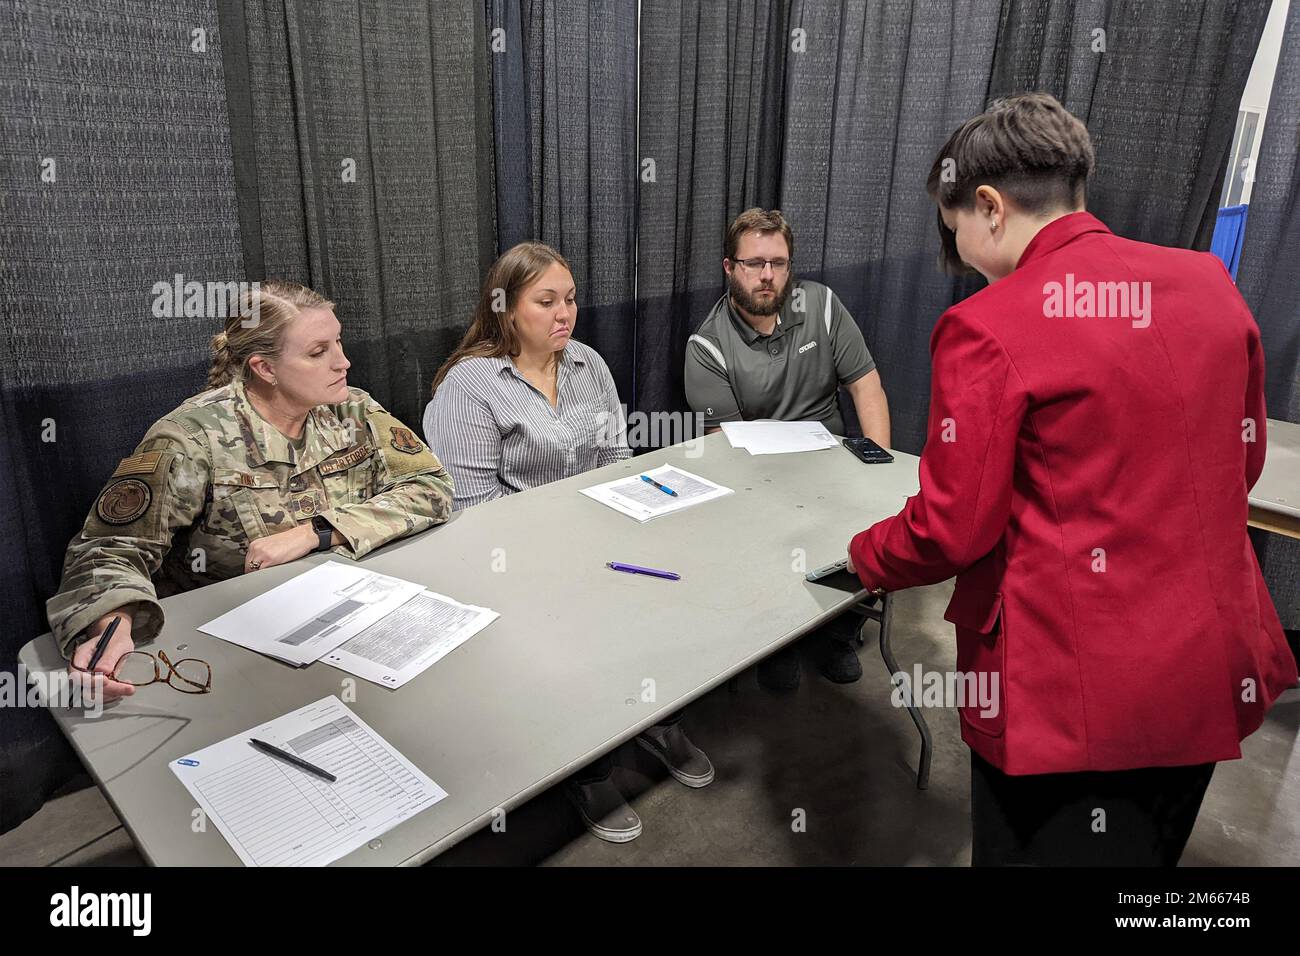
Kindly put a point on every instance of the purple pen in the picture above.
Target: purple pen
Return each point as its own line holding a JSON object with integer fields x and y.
{"x": 634, "y": 569}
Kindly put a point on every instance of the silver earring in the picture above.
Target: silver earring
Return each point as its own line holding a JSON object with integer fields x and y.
{"x": 993, "y": 224}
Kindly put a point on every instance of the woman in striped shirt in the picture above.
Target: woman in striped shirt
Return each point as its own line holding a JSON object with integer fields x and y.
{"x": 520, "y": 404}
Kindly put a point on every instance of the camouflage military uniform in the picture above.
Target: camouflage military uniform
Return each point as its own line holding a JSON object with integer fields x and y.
{"x": 213, "y": 474}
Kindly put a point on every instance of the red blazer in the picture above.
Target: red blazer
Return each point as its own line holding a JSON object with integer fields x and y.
{"x": 1085, "y": 479}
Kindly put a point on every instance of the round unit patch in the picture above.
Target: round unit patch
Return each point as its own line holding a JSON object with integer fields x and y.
{"x": 123, "y": 501}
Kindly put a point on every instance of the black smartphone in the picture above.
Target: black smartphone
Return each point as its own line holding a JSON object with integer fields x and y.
{"x": 868, "y": 451}
{"x": 826, "y": 571}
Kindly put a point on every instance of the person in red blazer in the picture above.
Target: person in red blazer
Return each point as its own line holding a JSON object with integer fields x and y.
{"x": 1096, "y": 421}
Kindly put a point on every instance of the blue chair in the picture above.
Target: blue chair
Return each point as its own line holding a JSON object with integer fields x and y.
{"x": 1229, "y": 231}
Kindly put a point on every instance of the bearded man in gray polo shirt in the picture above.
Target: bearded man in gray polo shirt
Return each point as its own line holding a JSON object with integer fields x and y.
{"x": 776, "y": 347}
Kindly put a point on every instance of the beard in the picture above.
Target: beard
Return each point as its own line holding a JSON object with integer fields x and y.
{"x": 754, "y": 305}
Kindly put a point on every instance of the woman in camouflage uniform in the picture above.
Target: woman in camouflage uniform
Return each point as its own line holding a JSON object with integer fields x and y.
{"x": 279, "y": 458}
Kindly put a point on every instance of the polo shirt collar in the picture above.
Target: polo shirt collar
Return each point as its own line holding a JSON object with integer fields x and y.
{"x": 786, "y": 319}
{"x": 1060, "y": 232}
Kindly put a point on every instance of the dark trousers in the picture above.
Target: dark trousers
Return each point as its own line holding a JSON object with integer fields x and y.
{"x": 601, "y": 768}
{"x": 1094, "y": 818}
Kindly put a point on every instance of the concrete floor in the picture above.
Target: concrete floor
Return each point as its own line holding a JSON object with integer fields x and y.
{"x": 840, "y": 754}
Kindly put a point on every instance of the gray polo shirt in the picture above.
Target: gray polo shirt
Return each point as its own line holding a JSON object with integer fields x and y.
{"x": 734, "y": 374}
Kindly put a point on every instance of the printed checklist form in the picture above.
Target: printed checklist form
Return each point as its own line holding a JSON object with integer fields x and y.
{"x": 643, "y": 500}
{"x": 312, "y": 613}
{"x": 273, "y": 813}
{"x": 411, "y": 639}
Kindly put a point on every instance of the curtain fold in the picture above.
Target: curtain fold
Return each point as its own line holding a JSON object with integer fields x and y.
{"x": 115, "y": 175}
{"x": 370, "y": 141}
{"x": 1157, "y": 85}
{"x": 510, "y": 122}
{"x": 579, "y": 64}
{"x": 877, "y": 92}
{"x": 712, "y": 89}
{"x": 884, "y": 83}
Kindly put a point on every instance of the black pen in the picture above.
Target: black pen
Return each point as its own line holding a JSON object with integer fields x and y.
{"x": 103, "y": 643}
{"x": 298, "y": 762}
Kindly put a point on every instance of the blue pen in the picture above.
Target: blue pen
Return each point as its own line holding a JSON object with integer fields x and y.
{"x": 636, "y": 569}
{"x": 664, "y": 488}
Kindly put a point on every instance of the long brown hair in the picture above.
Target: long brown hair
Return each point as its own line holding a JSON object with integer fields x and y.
{"x": 492, "y": 334}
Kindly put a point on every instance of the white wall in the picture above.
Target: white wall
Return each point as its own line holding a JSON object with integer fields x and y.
{"x": 1259, "y": 86}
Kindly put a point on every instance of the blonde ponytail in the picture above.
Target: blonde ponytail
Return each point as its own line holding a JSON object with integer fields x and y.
{"x": 221, "y": 372}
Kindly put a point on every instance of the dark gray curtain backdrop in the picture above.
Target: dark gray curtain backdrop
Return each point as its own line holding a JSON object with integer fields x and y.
{"x": 400, "y": 93}
{"x": 883, "y": 84}
{"x": 135, "y": 122}
{"x": 711, "y": 107}
{"x": 1160, "y": 103}
{"x": 1269, "y": 278}
{"x": 565, "y": 91}
{"x": 507, "y": 40}
{"x": 581, "y": 62}
{"x": 878, "y": 90}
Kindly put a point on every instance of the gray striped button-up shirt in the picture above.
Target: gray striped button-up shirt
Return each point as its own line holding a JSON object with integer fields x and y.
{"x": 497, "y": 434}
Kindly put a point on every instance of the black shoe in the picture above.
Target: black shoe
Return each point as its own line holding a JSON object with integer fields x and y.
{"x": 686, "y": 762}
{"x": 840, "y": 663}
{"x": 781, "y": 670}
{"x": 603, "y": 810}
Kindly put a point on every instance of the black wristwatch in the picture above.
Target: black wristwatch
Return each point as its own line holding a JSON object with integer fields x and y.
{"x": 324, "y": 532}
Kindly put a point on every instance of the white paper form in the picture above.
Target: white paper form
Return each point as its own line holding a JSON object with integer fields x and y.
{"x": 415, "y": 636}
{"x": 313, "y": 613}
{"x": 765, "y": 437}
{"x": 643, "y": 501}
{"x": 274, "y": 814}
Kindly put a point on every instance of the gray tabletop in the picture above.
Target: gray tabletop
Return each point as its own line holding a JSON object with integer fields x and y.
{"x": 556, "y": 681}
{"x": 1278, "y": 488}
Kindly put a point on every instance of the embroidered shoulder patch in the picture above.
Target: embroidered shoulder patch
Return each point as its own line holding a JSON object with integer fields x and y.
{"x": 404, "y": 440}
{"x": 403, "y": 452}
{"x": 124, "y": 501}
{"x": 145, "y": 463}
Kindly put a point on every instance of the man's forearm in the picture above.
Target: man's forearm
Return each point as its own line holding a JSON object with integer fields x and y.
{"x": 873, "y": 413}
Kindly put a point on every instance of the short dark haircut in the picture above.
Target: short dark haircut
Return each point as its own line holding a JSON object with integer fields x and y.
{"x": 1028, "y": 147}
{"x": 761, "y": 220}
